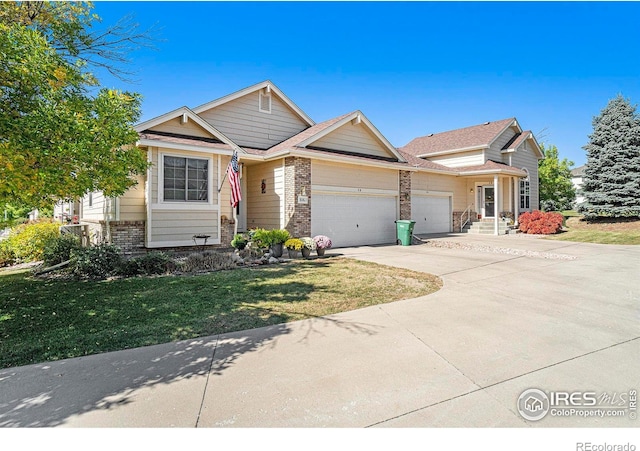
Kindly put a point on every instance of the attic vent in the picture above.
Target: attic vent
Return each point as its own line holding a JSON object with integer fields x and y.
{"x": 430, "y": 134}
{"x": 265, "y": 102}
{"x": 487, "y": 123}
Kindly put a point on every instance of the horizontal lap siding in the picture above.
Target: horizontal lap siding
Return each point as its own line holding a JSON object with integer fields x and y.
{"x": 132, "y": 203}
{"x": 190, "y": 128}
{"x": 100, "y": 208}
{"x": 180, "y": 225}
{"x": 353, "y": 138}
{"x": 353, "y": 176}
{"x": 421, "y": 183}
{"x": 461, "y": 159}
{"x": 525, "y": 157}
{"x": 495, "y": 151}
{"x": 265, "y": 209}
{"x": 242, "y": 122}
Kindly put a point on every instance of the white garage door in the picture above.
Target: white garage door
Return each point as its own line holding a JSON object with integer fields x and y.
{"x": 354, "y": 220}
{"x": 432, "y": 214}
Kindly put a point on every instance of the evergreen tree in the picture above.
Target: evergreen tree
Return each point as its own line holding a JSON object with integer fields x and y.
{"x": 611, "y": 182}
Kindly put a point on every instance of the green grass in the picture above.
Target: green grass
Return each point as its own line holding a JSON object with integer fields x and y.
{"x": 598, "y": 237}
{"x": 43, "y": 320}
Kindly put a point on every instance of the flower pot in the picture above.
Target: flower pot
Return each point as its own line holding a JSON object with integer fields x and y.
{"x": 292, "y": 253}
{"x": 276, "y": 250}
{"x": 320, "y": 252}
{"x": 306, "y": 252}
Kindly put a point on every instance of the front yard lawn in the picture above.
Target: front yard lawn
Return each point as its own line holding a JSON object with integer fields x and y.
{"x": 600, "y": 231}
{"x": 42, "y": 320}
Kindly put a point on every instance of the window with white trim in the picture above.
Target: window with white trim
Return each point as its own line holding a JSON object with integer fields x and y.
{"x": 185, "y": 179}
{"x": 525, "y": 192}
{"x": 265, "y": 103}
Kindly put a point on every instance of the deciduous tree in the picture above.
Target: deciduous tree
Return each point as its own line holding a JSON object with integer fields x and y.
{"x": 556, "y": 189}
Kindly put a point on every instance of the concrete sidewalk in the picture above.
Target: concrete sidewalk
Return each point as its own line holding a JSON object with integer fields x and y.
{"x": 502, "y": 323}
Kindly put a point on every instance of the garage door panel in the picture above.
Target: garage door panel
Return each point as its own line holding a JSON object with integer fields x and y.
{"x": 354, "y": 220}
{"x": 432, "y": 214}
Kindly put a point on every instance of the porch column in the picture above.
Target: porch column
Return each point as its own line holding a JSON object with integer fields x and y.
{"x": 516, "y": 197}
{"x": 496, "y": 213}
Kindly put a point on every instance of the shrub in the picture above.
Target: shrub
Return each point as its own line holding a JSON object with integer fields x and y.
{"x": 240, "y": 241}
{"x": 538, "y": 222}
{"x": 7, "y": 257}
{"x": 59, "y": 249}
{"x": 207, "y": 261}
{"x": 95, "y": 262}
{"x": 28, "y": 241}
{"x": 149, "y": 264}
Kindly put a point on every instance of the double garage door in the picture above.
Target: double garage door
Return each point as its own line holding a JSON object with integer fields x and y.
{"x": 431, "y": 213}
{"x": 354, "y": 219}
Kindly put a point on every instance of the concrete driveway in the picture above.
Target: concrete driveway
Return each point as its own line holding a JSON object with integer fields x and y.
{"x": 515, "y": 313}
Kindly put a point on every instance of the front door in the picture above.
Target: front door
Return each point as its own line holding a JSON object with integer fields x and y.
{"x": 487, "y": 201}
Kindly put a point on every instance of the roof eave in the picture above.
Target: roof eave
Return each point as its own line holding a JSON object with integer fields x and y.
{"x": 452, "y": 151}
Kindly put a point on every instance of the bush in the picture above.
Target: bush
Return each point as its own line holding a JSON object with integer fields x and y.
{"x": 28, "y": 241}
{"x": 7, "y": 257}
{"x": 59, "y": 249}
{"x": 538, "y": 222}
{"x": 96, "y": 262}
{"x": 149, "y": 264}
{"x": 240, "y": 241}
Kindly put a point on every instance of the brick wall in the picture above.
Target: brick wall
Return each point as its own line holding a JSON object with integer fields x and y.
{"x": 457, "y": 219}
{"x": 227, "y": 229}
{"x": 297, "y": 180}
{"x": 405, "y": 194}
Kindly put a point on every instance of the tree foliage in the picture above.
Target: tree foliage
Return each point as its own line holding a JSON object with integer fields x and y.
{"x": 556, "y": 189}
{"x": 611, "y": 181}
{"x": 61, "y": 135}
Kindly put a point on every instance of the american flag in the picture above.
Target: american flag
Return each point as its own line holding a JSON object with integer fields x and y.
{"x": 233, "y": 171}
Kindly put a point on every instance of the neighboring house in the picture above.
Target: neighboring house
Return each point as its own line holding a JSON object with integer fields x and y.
{"x": 576, "y": 179}
{"x": 341, "y": 178}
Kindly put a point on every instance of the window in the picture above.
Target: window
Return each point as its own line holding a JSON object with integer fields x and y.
{"x": 186, "y": 179}
{"x": 91, "y": 199}
{"x": 265, "y": 103}
{"x": 525, "y": 193}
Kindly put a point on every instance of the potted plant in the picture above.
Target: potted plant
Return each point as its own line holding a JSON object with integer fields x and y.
{"x": 308, "y": 245}
{"x": 240, "y": 241}
{"x": 278, "y": 238}
{"x": 261, "y": 238}
{"x": 293, "y": 245}
{"x": 322, "y": 243}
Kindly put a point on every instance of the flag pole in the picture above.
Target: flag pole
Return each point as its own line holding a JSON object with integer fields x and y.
{"x": 225, "y": 176}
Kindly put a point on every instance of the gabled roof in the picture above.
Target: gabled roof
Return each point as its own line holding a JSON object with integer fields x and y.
{"x": 518, "y": 139}
{"x": 578, "y": 172}
{"x": 468, "y": 138}
{"x": 267, "y": 84}
{"x": 184, "y": 112}
{"x": 490, "y": 167}
{"x": 307, "y": 137}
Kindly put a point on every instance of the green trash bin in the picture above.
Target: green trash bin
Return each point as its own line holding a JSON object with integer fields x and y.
{"x": 404, "y": 229}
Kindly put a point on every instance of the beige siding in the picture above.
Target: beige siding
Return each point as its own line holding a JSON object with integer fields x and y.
{"x": 101, "y": 207}
{"x": 353, "y": 138}
{"x": 132, "y": 203}
{"x": 422, "y": 183}
{"x": 353, "y": 176}
{"x": 225, "y": 192}
{"x": 180, "y": 226}
{"x": 471, "y": 158}
{"x": 190, "y": 128}
{"x": 243, "y": 123}
{"x": 495, "y": 151}
{"x": 525, "y": 157}
{"x": 265, "y": 209}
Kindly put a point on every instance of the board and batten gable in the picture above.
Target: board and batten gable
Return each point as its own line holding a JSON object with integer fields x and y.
{"x": 174, "y": 223}
{"x": 265, "y": 208}
{"x": 353, "y": 138}
{"x": 525, "y": 158}
{"x": 460, "y": 159}
{"x": 247, "y": 125}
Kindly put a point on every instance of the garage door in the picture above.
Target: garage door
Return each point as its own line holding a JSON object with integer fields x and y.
{"x": 431, "y": 213}
{"x": 354, "y": 220}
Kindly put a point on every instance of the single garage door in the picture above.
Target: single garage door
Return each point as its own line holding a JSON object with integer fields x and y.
{"x": 354, "y": 220}
{"x": 432, "y": 214}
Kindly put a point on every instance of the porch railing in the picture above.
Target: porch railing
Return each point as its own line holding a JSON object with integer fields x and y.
{"x": 464, "y": 222}
{"x": 79, "y": 230}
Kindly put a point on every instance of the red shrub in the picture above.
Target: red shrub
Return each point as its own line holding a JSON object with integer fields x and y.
{"x": 538, "y": 222}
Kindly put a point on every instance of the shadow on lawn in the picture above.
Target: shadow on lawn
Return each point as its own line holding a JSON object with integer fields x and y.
{"x": 52, "y": 394}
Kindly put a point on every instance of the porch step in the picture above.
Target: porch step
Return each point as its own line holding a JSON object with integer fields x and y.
{"x": 486, "y": 227}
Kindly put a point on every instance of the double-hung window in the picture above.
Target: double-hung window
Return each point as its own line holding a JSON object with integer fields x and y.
{"x": 525, "y": 193}
{"x": 186, "y": 179}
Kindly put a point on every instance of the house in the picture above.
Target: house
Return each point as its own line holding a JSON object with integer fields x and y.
{"x": 576, "y": 179}
{"x": 340, "y": 177}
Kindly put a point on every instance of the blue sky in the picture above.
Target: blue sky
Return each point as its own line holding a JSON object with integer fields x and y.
{"x": 413, "y": 68}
